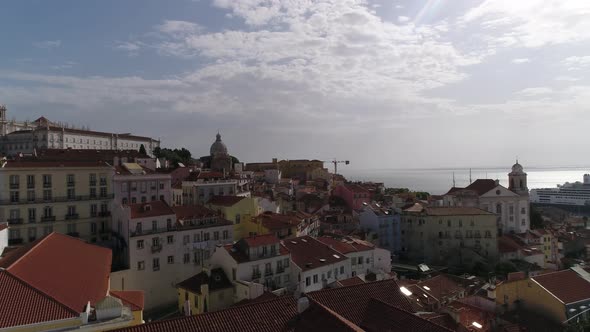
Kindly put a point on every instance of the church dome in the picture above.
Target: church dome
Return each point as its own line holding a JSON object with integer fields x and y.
{"x": 218, "y": 147}
{"x": 517, "y": 168}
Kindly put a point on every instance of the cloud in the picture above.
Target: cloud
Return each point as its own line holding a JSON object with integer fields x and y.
{"x": 66, "y": 65}
{"x": 178, "y": 28}
{"x": 48, "y": 44}
{"x": 403, "y": 19}
{"x": 567, "y": 78}
{"x": 520, "y": 60}
{"x": 532, "y": 23}
{"x": 576, "y": 62}
{"x": 132, "y": 48}
{"x": 533, "y": 92}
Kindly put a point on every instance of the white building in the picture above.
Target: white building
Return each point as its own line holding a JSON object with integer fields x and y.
{"x": 384, "y": 223}
{"x": 364, "y": 257}
{"x": 134, "y": 183}
{"x": 167, "y": 245}
{"x": 200, "y": 186}
{"x": 25, "y": 137}
{"x": 3, "y": 237}
{"x": 511, "y": 205}
{"x": 315, "y": 265}
{"x": 260, "y": 259}
{"x": 272, "y": 176}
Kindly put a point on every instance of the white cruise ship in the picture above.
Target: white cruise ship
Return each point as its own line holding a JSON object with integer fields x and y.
{"x": 576, "y": 194}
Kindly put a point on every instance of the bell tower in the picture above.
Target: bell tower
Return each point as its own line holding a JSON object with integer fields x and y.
{"x": 3, "y": 121}
{"x": 517, "y": 180}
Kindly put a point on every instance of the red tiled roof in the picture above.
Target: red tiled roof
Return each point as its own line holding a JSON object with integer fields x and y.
{"x": 381, "y": 316}
{"x": 134, "y": 299}
{"x": 192, "y": 212}
{"x": 22, "y": 304}
{"x": 65, "y": 268}
{"x": 51, "y": 164}
{"x": 261, "y": 240}
{"x": 482, "y": 186}
{"x": 441, "y": 286}
{"x": 351, "y": 281}
{"x": 350, "y": 302}
{"x": 3, "y": 226}
{"x": 309, "y": 253}
{"x": 567, "y": 285}
{"x": 454, "y": 190}
{"x": 151, "y": 209}
{"x": 344, "y": 246}
{"x": 356, "y": 188}
{"x": 225, "y": 200}
{"x": 216, "y": 280}
{"x": 266, "y": 295}
{"x": 274, "y": 221}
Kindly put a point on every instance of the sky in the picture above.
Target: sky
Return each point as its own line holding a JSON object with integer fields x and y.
{"x": 384, "y": 84}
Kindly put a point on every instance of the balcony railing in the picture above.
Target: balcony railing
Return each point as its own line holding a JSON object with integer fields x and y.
{"x": 54, "y": 199}
{"x": 267, "y": 273}
{"x": 47, "y": 218}
{"x": 256, "y": 275}
{"x": 156, "y": 248}
{"x": 280, "y": 269}
{"x": 14, "y": 186}
{"x": 72, "y": 216}
{"x": 15, "y": 221}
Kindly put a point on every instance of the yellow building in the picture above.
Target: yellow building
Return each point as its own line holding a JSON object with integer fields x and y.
{"x": 237, "y": 209}
{"x": 68, "y": 197}
{"x": 558, "y": 296}
{"x": 205, "y": 292}
{"x": 282, "y": 226}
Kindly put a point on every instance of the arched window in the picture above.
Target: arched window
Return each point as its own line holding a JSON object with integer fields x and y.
{"x": 499, "y": 208}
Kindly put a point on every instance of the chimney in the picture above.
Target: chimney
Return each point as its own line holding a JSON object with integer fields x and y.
{"x": 302, "y": 305}
{"x": 497, "y": 182}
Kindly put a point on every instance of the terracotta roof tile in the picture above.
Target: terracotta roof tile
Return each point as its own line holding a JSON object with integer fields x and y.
{"x": 309, "y": 253}
{"x": 275, "y": 221}
{"x": 22, "y": 304}
{"x": 566, "y": 285}
{"x": 151, "y": 209}
{"x": 351, "y": 281}
{"x": 217, "y": 280}
{"x": 381, "y": 316}
{"x": 192, "y": 212}
{"x": 3, "y": 226}
{"x": 356, "y": 188}
{"x": 134, "y": 299}
{"x": 346, "y": 246}
{"x": 65, "y": 268}
{"x": 225, "y": 200}
{"x": 440, "y": 286}
{"x": 482, "y": 186}
{"x": 261, "y": 240}
{"x": 241, "y": 257}
{"x": 351, "y": 302}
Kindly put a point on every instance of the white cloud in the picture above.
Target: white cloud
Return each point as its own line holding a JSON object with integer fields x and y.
{"x": 576, "y": 62}
{"x": 132, "y": 48}
{"x": 533, "y": 23}
{"x": 66, "y": 65}
{"x": 48, "y": 44}
{"x": 567, "y": 78}
{"x": 178, "y": 28}
{"x": 403, "y": 19}
{"x": 521, "y": 60}
{"x": 533, "y": 92}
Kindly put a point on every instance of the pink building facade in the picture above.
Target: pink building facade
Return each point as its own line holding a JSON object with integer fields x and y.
{"x": 354, "y": 195}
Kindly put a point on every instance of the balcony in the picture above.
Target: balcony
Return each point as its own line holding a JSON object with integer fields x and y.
{"x": 267, "y": 273}
{"x": 15, "y": 221}
{"x": 156, "y": 248}
{"x": 74, "y": 234}
{"x": 54, "y": 199}
{"x": 255, "y": 274}
{"x": 280, "y": 269}
{"x": 14, "y": 186}
{"x": 15, "y": 241}
{"x": 47, "y": 218}
{"x": 72, "y": 216}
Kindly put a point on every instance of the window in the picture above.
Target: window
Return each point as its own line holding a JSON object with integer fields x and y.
{"x": 155, "y": 241}
{"x": 205, "y": 236}
{"x": 70, "y": 179}
{"x": 30, "y": 181}
{"x": 140, "y": 265}
{"x": 156, "y": 265}
{"x": 92, "y": 179}
{"x": 170, "y": 259}
{"x": 360, "y": 261}
{"x": 143, "y": 199}
{"x": 103, "y": 192}
{"x": 315, "y": 278}
{"x": 32, "y": 215}
{"x": 308, "y": 281}
{"x": 186, "y": 239}
{"x": 523, "y": 211}
{"x": 237, "y": 218}
{"x": 353, "y": 261}
{"x": 216, "y": 236}
{"x": 31, "y": 196}
{"x": 161, "y": 185}
{"x": 196, "y": 237}
{"x": 286, "y": 262}
{"x": 71, "y": 210}
{"x": 93, "y": 228}
{"x": 14, "y": 197}
{"x": 139, "y": 244}
{"x": 71, "y": 193}
{"x": 14, "y": 181}
{"x": 93, "y": 193}
{"x": 225, "y": 235}
{"x": 499, "y": 208}
{"x": 103, "y": 180}
{"x": 153, "y": 198}
{"x": 187, "y": 258}
{"x": 329, "y": 274}
{"x": 170, "y": 239}
{"x": 124, "y": 187}
{"x": 93, "y": 210}
{"x": 154, "y": 225}
{"x": 47, "y": 180}
{"x": 342, "y": 270}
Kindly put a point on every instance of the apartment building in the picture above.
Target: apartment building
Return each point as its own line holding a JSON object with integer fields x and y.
{"x": 434, "y": 235}
{"x": 167, "y": 245}
{"x": 383, "y": 223}
{"x": 68, "y": 197}
{"x": 364, "y": 257}
{"x": 261, "y": 259}
{"x": 134, "y": 183}
{"x": 200, "y": 186}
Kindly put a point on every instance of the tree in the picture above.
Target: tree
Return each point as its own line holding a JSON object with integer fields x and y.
{"x": 536, "y": 219}
{"x": 504, "y": 268}
{"x": 142, "y": 150}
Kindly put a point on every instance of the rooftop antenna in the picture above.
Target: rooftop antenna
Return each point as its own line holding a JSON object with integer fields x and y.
{"x": 453, "y": 179}
{"x": 470, "y": 181}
